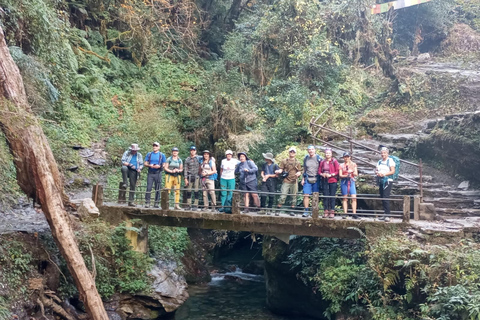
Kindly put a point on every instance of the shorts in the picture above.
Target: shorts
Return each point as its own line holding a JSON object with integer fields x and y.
{"x": 344, "y": 187}
{"x": 309, "y": 188}
{"x": 249, "y": 186}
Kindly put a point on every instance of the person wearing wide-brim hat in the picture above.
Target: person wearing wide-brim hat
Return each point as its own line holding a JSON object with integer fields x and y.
{"x": 132, "y": 164}
{"x": 227, "y": 177}
{"x": 347, "y": 172}
{"x": 269, "y": 181}
{"x": 208, "y": 174}
{"x": 247, "y": 171}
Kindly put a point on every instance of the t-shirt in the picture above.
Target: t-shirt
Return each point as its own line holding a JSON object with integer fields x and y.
{"x": 384, "y": 166}
{"x": 269, "y": 169}
{"x": 292, "y": 167}
{"x": 174, "y": 164}
{"x": 311, "y": 166}
{"x": 133, "y": 161}
{"x": 228, "y": 167}
{"x": 345, "y": 169}
{"x": 154, "y": 158}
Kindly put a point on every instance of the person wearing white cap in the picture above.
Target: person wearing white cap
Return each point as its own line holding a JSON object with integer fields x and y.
{"x": 227, "y": 176}
{"x": 292, "y": 169}
{"x": 154, "y": 161}
{"x": 132, "y": 164}
{"x": 385, "y": 171}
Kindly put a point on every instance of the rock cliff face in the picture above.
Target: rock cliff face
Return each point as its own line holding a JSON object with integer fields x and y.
{"x": 286, "y": 294}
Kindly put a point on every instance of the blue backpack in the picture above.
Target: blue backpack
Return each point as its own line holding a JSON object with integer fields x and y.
{"x": 306, "y": 157}
{"x": 397, "y": 162}
{"x": 213, "y": 176}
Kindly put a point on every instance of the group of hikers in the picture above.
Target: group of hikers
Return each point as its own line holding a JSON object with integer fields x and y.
{"x": 199, "y": 172}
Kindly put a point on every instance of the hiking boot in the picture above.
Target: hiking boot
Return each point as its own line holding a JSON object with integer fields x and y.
{"x": 124, "y": 186}
{"x": 261, "y": 211}
{"x": 177, "y": 207}
{"x": 325, "y": 214}
{"x": 156, "y": 206}
{"x": 331, "y": 215}
{"x": 344, "y": 216}
{"x": 194, "y": 208}
{"x": 383, "y": 218}
{"x": 355, "y": 216}
{"x": 131, "y": 204}
{"x": 147, "y": 205}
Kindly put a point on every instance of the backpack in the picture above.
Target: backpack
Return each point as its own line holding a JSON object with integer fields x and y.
{"x": 160, "y": 155}
{"x": 396, "y": 160}
{"x": 213, "y": 176}
{"x": 319, "y": 159}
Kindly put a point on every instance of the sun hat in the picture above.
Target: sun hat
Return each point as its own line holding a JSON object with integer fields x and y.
{"x": 206, "y": 151}
{"x": 134, "y": 147}
{"x": 268, "y": 156}
{"x": 240, "y": 153}
{"x": 229, "y": 152}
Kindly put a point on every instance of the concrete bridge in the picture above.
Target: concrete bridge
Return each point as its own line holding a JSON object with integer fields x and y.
{"x": 282, "y": 226}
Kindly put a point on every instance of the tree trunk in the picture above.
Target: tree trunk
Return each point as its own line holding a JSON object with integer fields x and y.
{"x": 38, "y": 174}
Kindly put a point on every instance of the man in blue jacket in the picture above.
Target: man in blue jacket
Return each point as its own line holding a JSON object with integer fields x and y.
{"x": 247, "y": 171}
{"x": 132, "y": 164}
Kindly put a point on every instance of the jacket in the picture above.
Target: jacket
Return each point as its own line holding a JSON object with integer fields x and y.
{"x": 334, "y": 168}
{"x": 251, "y": 175}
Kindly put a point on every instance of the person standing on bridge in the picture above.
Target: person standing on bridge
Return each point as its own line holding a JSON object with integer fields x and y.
{"x": 132, "y": 164}
{"x": 348, "y": 171}
{"x": 227, "y": 176}
{"x": 173, "y": 170}
{"x": 269, "y": 180}
{"x": 310, "y": 180}
{"x": 247, "y": 170}
{"x": 154, "y": 161}
{"x": 208, "y": 174}
{"x": 385, "y": 170}
{"x": 290, "y": 169}
{"x": 328, "y": 169}
{"x": 192, "y": 179}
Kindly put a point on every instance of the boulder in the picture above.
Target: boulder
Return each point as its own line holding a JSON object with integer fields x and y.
{"x": 87, "y": 208}
{"x": 464, "y": 185}
{"x": 423, "y": 57}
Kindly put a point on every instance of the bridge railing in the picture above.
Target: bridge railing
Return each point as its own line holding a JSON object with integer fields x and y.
{"x": 401, "y": 204}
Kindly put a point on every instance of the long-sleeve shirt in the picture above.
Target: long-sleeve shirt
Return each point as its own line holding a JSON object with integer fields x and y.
{"x": 333, "y": 168}
{"x": 247, "y": 176}
{"x": 127, "y": 156}
{"x": 190, "y": 166}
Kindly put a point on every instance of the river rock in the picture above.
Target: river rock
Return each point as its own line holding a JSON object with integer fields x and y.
{"x": 87, "y": 208}
{"x": 423, "y": 57}
{"x": 97, "y": 161}
{"x": 464, "y": 185}
{"x": 170, "y": 288}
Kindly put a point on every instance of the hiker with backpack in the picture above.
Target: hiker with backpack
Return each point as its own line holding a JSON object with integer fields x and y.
{"x": 247, "y": 171}
{"x": 386, "y": 172}
{"x": 227, "y": 177}
{"x": 348, "y": 171}
{"x": 290, "y": 169}
{"x": 173, "y": 172}
{"x": 310, "y": 180}
{"x": 269, "y": 180}
{"x": 191, "y": 166}
{"x": 208, "y": 175}
{"x": 132, "y": 164}
{"x": 328, "y": 170}
{"x": 154, "y": 161}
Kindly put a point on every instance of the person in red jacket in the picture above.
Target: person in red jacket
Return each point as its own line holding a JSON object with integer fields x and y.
{"x": 328, "y": 170}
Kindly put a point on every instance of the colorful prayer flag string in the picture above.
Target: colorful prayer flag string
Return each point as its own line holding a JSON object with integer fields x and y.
{"x": 399, "y": 4}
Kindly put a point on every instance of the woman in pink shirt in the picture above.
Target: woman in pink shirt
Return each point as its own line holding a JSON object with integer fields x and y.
{"x": 328, "y": 170}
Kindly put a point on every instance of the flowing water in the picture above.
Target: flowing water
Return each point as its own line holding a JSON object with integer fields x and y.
{"x": 230, "y": 296}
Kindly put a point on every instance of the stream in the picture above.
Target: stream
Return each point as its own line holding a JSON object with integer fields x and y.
{"x": 231, "y": 295}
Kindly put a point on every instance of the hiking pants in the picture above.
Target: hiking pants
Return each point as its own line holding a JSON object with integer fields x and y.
{"x": 193, "y": 183}
{"x": 131, "y": 175}
{"x": 268, "y": 186}
{"x": 329, "y": 189}
{"x": 208, "y": 187}
{"x": 384, "y": 190}
{"x": 153, "y": 179}
{"x": 172, "y": 182}
{"x": 226, "y": 184}
{"x": 289, "y": 189}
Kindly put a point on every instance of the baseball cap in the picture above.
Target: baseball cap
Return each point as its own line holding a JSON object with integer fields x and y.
{"x": 174, "y": 149}
{"x": 229, "y": 152}
{"x": 292, "y": 149}
{"x": 156, "y": 143}
{"x": 193, "y": 148}
{"x": 346, "y": 154}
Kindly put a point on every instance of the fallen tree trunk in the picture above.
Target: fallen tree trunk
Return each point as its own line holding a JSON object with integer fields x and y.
{"x": 38, "y": 175}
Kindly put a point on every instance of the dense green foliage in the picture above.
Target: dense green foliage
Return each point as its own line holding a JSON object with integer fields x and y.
{"x": 392, "y": 277}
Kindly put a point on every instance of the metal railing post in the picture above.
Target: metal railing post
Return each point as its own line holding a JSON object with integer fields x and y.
{"x": 164, "y": 199}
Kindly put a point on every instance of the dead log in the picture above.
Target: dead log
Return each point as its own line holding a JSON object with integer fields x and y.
{"x": 38, "y": 174}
